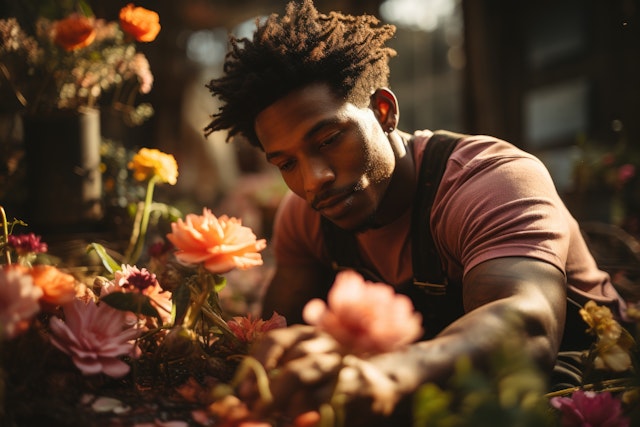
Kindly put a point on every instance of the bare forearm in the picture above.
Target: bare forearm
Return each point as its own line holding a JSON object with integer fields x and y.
{"x": 510, "y": 302}
{"x": 478, "y": 336}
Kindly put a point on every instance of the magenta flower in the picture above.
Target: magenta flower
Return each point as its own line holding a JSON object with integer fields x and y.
{"x": 365, "y": 317}
{"x": 590, "y": 409}
{"x": 626, "y": 172}
{"x": 95, "y": 336}
{"x": 18, "y": 301}
{"x": 27, "y": 243}
{"x": 248, "y": 329}
{"x": 131, "y": 278}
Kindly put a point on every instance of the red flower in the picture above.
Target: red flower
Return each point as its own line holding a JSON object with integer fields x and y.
{"x": 365, "y": 317}
{"x": 74, "y": 32}
{"x": 248, "y": 329}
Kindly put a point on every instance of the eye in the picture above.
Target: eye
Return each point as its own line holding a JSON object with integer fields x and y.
{"x": 330, "y": 139}
{"x": 286, "y": 165}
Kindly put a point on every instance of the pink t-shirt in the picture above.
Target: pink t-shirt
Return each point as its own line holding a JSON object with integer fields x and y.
{"x": 494, "y": 201}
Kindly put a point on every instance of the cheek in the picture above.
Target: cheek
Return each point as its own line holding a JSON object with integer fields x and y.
{"x": 294, "y": 183}
{"x": 380, "y": 163}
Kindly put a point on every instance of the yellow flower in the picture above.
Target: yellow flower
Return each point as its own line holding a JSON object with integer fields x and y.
{"x": 149, "y": 162}
{"x": 613, "y": 344}
{"x": 600, "y": 321}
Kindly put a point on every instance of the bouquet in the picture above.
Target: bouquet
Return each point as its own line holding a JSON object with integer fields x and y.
{"x": 69, "y": 63}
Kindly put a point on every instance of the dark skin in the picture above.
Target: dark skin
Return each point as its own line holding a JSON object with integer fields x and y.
{"x": 355, "y": 166}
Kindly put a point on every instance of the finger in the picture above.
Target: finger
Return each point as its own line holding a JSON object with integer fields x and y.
{"x": 303, "y": 384}
{"x": 318, "y": 344}
{"x": 270, "y": 348}
{"x": 361, "y": 379}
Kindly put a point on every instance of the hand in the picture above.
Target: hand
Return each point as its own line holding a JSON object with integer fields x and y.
{"x": 302, "y": 366}
{"x": 307, "y": 369}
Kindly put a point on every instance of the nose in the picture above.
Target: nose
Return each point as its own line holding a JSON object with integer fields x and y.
{"x": 318, "y": 174}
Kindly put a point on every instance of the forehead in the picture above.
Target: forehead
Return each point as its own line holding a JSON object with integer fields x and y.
{"x": 298, "y": 112}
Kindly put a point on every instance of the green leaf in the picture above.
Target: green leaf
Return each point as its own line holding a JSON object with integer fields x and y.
{"x": 130, "y": 301}
{"x": 85, "y": 9}
{"x": 109, "y": 263}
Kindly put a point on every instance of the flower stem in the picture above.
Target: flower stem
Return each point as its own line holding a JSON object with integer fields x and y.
{"x": 5, "y": 233}
{"x": 262, "y": 379}
{"x": 617, "y": 384}
{"x": 144, "y": 222}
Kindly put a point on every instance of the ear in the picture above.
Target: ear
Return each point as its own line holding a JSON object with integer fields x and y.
{"x": 385, "y": 107}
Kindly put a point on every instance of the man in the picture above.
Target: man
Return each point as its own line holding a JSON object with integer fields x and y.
{"x": 310, "y": 90}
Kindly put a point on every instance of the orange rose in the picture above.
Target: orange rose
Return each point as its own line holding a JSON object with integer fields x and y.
{"x": 142, "y": 24}
{"x": 58, "y": 288}
{"x": 74, "y": 32}
{"x": 220, "y": 244}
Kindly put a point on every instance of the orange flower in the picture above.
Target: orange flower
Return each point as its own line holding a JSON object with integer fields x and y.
{"x": 57, "y": 287}
{"x": 365, "y": 317}
{"x": 74, "y": 32}
{"x": 142, "y": 24}
{"x": 221, "y": 244}
{"x": 149, "y": 162}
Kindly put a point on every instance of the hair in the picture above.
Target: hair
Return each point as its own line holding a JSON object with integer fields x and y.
{"x": 295, "y": 50}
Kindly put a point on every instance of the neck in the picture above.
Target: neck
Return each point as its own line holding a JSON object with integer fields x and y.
{"x": 399, "y": 194}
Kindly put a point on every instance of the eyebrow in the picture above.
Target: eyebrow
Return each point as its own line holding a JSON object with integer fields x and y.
{"x": 309, "y": 135}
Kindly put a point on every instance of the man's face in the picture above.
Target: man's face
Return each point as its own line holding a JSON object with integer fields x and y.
{"x": 331, "y": 153}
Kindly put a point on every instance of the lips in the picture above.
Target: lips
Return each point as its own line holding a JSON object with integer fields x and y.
{"x": 331, "y": 204}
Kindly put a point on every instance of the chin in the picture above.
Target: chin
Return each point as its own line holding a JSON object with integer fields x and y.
{"x": 356, "y": 225}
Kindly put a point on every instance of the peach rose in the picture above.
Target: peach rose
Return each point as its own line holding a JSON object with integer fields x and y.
{"x": 149, "y": 162}
{"x": 74, "y": 32}
{"x": 58, "y": 288}
{"x": 220, "y": 244}
{"x": 365, "y": 317}
{"x": 142, "y": 24}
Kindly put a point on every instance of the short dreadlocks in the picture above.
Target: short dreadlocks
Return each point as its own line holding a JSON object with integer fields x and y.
{"x": 290, "y": 52}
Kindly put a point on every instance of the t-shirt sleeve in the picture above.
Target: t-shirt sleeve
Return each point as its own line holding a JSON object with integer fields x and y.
{"x": 497, "y": 206}
{"x": 297, "y": 239}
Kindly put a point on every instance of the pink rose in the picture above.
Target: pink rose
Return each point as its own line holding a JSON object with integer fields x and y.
{"x": 220, "y": 244}
{"x": 365, "y": 317}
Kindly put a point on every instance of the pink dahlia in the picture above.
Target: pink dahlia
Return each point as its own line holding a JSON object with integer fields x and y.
{"x": 18, "y": 301}
{"x": 95, "y": 336}
{"x": 365, "y": 317}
